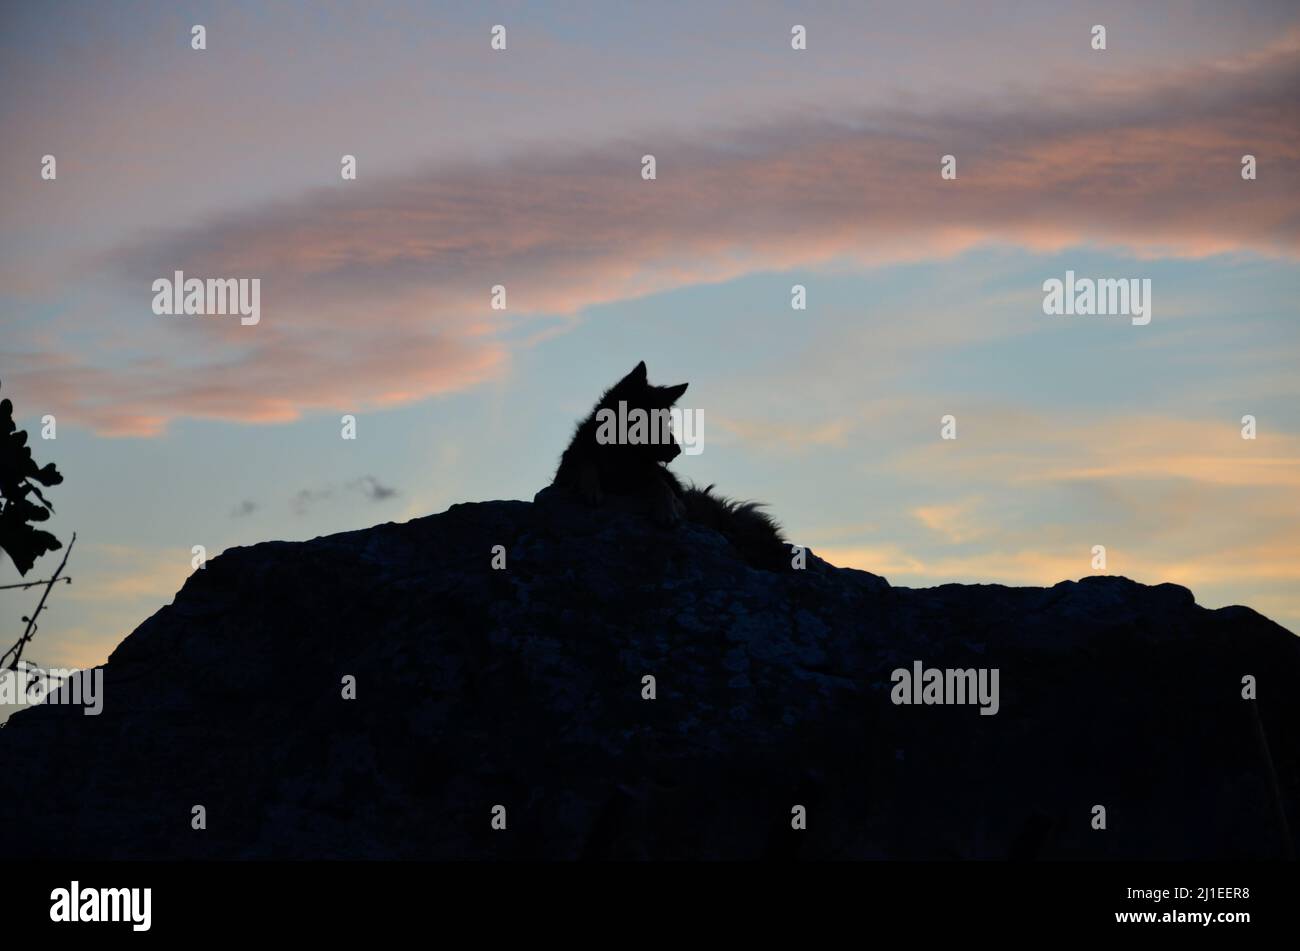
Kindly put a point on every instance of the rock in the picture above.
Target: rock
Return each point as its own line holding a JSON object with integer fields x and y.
{"x": 523, "y": 687}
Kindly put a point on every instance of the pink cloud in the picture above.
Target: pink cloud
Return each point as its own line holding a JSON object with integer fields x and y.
{"x": 376, "y": 293}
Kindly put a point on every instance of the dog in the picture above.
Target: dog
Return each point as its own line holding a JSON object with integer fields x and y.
{"x": 595, "y": 465}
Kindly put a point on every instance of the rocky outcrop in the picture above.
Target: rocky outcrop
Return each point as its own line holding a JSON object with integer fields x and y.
{"x": 524, "y": 687}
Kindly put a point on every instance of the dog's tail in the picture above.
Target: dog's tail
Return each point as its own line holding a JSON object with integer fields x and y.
{"x": 751, "y": 531}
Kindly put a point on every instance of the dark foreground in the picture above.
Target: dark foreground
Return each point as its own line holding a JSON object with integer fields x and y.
{"x": 523, "y": 687}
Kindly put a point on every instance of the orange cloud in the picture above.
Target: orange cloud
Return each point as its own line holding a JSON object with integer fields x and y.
{"x": 1028, "y": 449}
{"x": 122, "y": 574}
{"x": 1185, "y": 501}
{"x": 954, "y": 522}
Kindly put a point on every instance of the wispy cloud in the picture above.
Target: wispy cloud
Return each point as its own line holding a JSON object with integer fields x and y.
{"x": 379, "y": 295}
{"x": 369, "y": 487}
{"x": 1184, "y": 501}
{"x": 953, "y": 522}
{"x": 372, "y": 488}
{"x": 128, "y": 575}
{"x": 304, "y": 499}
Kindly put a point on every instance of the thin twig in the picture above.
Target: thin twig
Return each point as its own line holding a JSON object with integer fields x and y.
{"x": 31, "y": 621}
{"x": 32, "y": 584}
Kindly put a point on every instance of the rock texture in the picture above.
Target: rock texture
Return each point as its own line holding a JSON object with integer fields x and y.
{"x": 523, "y": 687}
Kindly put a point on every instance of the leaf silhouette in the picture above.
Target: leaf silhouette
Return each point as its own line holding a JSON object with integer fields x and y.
{"x": 19, "y": 476}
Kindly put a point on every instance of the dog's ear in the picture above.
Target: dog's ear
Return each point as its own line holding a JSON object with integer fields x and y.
{"x": 637, "y": 375}
{"x": 672, "y": 394}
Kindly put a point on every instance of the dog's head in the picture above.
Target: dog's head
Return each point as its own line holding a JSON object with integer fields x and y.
{"x": 638, "y": 393}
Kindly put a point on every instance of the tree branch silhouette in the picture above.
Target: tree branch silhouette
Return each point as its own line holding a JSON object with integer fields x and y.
{"x": 19, "y": 479}
{"x": 30, "y": 632}
{"x": 21, "y": 505}
{"x": 30, "y": 584}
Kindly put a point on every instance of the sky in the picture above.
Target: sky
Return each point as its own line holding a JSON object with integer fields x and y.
{"x": 774, "y": 167}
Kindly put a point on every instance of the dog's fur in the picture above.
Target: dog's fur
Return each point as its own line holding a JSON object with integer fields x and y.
{"x": 593, "y": 470}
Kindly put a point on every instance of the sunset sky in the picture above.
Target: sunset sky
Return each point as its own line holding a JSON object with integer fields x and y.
{"x": 775, "y": 167}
